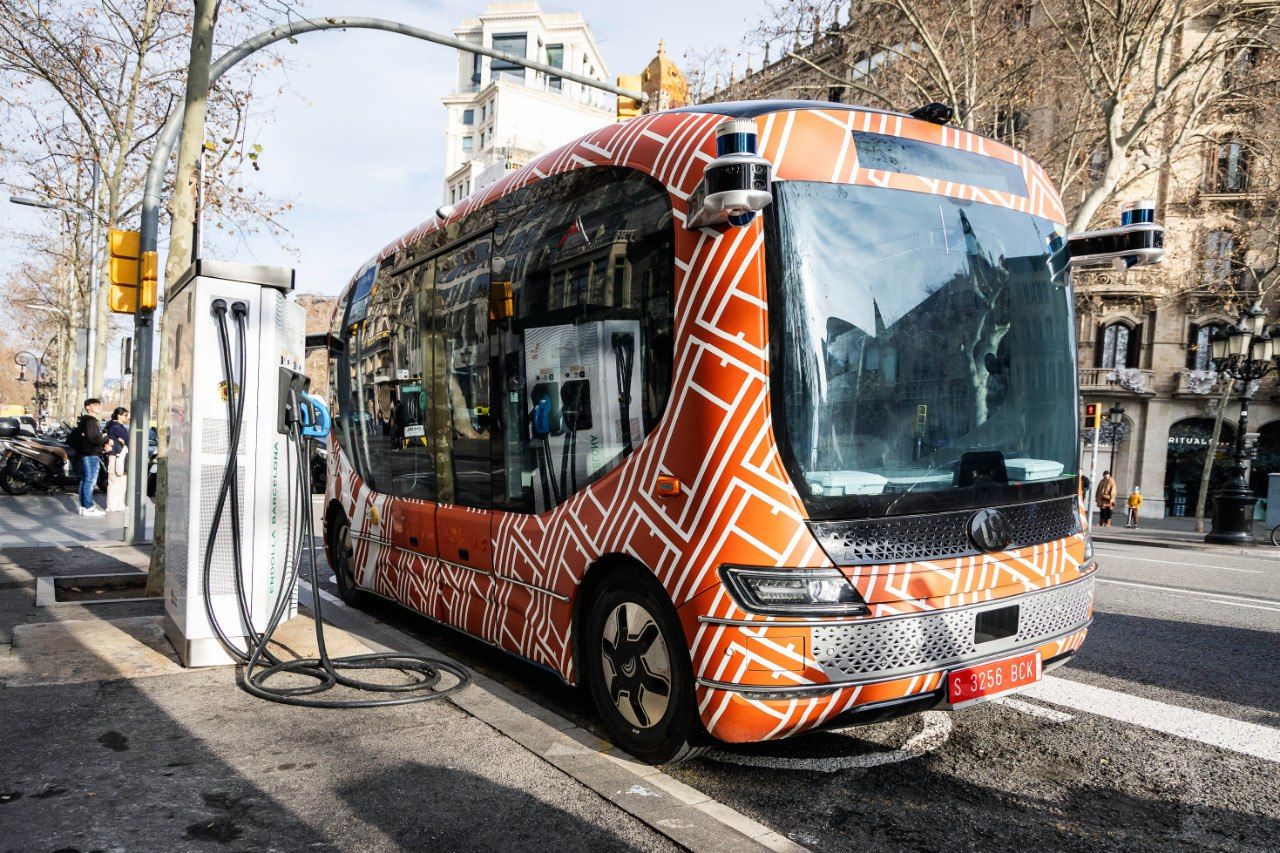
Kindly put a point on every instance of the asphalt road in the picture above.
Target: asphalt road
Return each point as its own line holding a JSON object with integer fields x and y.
{"x": 1162, "y": 734}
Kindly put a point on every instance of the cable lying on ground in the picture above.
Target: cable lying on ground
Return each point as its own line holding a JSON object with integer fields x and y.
{"x": 422, "y": 675}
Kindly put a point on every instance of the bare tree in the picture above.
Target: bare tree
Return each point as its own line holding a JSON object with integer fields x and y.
{"x": 85, "y": 84}
{"x": 1152, "y": 72}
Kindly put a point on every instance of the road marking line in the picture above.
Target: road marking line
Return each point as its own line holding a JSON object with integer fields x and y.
{"x": 1192, "y": 565}
{"x": 1225, "y": 733}
{"x": 934, "y": 731}
{"x": 1033, "y": 710}
{"x": 1242, "y": 604}
{"x": 1185, "y": 591}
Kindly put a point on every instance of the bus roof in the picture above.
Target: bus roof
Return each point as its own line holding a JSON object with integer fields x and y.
{"x": 752, "y": 109}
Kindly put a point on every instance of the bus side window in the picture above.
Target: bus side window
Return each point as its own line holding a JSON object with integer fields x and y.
{"x": 585, "y": 362}
{"x": 460, "y": 375}
{"x": 373, "y": 377}
{"x": 338, "y": 388}
{"x": 410, "y": 467}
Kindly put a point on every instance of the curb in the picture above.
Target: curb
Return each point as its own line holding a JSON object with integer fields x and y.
{"x": 1259, "y": 552}
{"x": 682, "y": 814}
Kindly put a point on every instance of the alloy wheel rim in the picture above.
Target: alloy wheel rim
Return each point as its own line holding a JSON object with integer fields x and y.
{"x": 637, "y": 665}
{"x": 347, "y": 553}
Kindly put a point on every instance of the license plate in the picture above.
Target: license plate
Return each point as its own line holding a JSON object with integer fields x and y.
{"x": 975, "y": 683}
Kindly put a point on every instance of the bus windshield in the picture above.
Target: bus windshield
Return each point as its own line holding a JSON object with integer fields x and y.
{"x": 923, "y": 353}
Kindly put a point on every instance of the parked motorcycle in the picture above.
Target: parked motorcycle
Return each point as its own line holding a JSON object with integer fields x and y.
{"x": 39, "y": 462}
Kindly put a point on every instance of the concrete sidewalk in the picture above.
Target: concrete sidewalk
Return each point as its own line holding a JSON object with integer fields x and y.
{"x": 1181, "y": 533}
{"x": 110, "y": 744}
{"x": 51, "y": 519}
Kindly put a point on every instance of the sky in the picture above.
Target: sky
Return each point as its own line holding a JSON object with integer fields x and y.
{"x": 357, "y": 140}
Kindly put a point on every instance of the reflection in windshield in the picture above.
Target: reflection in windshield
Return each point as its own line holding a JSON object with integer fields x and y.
{"x": 933, "y": 346}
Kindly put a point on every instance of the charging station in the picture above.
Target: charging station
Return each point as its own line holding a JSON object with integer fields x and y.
{"x": 199, "y": 430}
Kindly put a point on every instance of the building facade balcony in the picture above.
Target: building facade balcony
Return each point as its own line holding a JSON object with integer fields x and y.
{"x": 1117, "y": 382}
{"x": 1193, "y": 384}
{"x": 1119, "y": 285}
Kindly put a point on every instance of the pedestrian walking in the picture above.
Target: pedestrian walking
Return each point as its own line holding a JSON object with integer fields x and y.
{"x": 88, "y": 441}
{"x": 1105, "y": 498}
{"x": 1135, "y": 503}
{"x": 117, "y": 452}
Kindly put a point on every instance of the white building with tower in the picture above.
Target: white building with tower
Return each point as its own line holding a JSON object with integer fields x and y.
{"x": 501, "y": 114}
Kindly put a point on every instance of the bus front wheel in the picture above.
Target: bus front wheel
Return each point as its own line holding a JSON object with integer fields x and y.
{"x": 637, "y": 667}
{"x": 342, "y": 552}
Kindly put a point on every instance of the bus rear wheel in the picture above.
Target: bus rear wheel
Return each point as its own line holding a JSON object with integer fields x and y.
{"x": 342, "y": 555}
{"x": 637, "y": 667}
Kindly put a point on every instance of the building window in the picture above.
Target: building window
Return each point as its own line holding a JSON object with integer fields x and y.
{"x": 1011, "y": 125}
{"x": 514, "y": 44}
{"x": 1017, "y": 16}
{"x": 1240, "y": 61}
{"x": 1097, "y": 165}
{"x": 468, "y": 143}
{"x": 1199, "y": 353}
{"x": 483, "y": 138}
{"x": 1231, "y": 166}
{"x": 1219, "y": 257}
{"x": 468, "y": 117}
{"x": 1118, "y": 345}
{"x": 555, "y": 58}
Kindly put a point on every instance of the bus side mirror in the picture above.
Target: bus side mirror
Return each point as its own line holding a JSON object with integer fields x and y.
{"x": 1139, "y": 241}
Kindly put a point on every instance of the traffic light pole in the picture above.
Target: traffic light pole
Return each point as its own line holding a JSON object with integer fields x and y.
{"x": 144, "y": 320}
{"x": 1093, "y": 473}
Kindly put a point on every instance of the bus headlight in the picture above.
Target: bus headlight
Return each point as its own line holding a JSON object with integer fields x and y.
{"x": 792, "y": 592}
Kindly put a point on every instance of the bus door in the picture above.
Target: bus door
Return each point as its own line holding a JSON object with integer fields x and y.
{"x": 460, "y": 418}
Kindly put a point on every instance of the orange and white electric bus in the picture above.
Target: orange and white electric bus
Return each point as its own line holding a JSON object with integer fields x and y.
{"x": 755, "y": 417}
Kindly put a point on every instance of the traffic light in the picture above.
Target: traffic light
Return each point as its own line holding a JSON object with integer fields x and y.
{"x": 1092, "y": 415}
{"x": 628, "y": 107}
{"x": 150, "y": 272}
{"x": 122, "y": 270}
{"x": 133, "y": 273}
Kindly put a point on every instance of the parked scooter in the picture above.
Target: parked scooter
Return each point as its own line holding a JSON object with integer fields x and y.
{"x": 40, "y": 462}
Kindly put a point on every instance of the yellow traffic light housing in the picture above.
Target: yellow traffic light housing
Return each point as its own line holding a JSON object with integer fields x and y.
{"x": 1092, "y": 415}
{"x": 149, "y": 282}
{"x": 628, "y": 107}
{"x": 123, "y": 270}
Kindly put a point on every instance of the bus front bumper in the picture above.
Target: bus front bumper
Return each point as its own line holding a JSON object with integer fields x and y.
{"x": 828, "y": 671}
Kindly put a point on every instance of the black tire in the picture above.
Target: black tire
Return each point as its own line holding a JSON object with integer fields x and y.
{"x": 10, "y": 482}
{"x": 341, "y": 559}
{"x": 1275, "y": 535}
{"x": 624, "y": 669}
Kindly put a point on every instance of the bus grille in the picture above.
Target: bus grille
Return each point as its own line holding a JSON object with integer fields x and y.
{"x": 904, "y": 645}
{"x": 910, "y": 538}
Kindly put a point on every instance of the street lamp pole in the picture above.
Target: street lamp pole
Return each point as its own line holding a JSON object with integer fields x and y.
{"x": 1243, "y": 353}
{"x": 24, "y": 358}
{"x": 1115, "y": 417}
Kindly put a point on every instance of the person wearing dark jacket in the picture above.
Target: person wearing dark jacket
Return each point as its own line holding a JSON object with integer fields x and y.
{"x": 90, "y": 442}
{"x": 117, "y": 453}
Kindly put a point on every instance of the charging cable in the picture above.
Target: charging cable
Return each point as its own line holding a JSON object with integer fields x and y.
{"x": 419, "y": 676}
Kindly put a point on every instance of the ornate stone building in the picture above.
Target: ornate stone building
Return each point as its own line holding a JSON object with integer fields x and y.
{"x": 1142, "y": 335}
